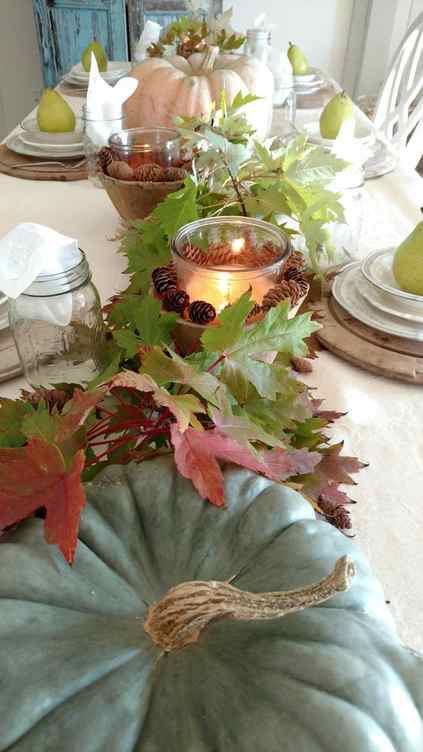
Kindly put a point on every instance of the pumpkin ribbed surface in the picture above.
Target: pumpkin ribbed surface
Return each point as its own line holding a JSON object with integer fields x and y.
{"x": 175, "y": 86}
{"x": 78, "y": 672}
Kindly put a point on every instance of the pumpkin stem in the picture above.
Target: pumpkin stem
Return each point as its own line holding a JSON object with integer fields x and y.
{"x": 209, "y": 59}
{"x": 179, "y": 618}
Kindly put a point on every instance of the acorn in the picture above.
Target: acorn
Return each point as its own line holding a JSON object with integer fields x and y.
{"x": 175, "y": 300}
{"x": 164, "y": 279}
{"x": 201, "y": 312}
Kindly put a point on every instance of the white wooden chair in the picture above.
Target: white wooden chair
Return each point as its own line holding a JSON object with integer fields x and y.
{"x": 399, "y": 109}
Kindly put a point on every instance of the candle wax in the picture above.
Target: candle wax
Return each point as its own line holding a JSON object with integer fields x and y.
{"x": 224, "y": 287}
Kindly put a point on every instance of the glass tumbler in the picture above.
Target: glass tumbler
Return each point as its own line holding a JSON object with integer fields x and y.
{"x": 97, "y": 131}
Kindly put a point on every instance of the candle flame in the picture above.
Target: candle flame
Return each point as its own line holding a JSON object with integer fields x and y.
{"x": 224, "y": 285}
{"x": 238, "y": 245}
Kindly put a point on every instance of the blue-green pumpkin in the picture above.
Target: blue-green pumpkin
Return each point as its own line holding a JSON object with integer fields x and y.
{"x": 80, "y": 673}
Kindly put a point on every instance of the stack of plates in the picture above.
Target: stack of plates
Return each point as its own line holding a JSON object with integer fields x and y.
{"x": 367, "y": 291}
{"x": 116, "y": 69}
{"x": 32, "y": 142}
{"x": 309, "y": 83}
{"x": 361, "y": 132}
{"x": 4, "y": 318}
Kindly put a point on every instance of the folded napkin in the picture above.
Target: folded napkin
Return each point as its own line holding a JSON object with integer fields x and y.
{"x": 28, "y": 251}
{"x": 104, "y": 111}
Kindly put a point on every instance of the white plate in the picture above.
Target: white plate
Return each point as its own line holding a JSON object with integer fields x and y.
{"x": 16, "y": 144}
{"x": 377, "y": 269}
{"x": 44, "y": 146}
{"x": 115, "y": 69}
{"x": 346, "y": 291}
{"x": 308, "y": 78}
{"x": 365, "y": 136}
{"x": 385, "y": 302}
{"x": 32, "y": 135}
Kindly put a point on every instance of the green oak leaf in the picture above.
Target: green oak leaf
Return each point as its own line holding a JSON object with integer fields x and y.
{"x": 231, "y": 327}
{"x": 171, "y": 368}
{"x": 12, "y": 415}
{"x": 154, "y": 327}
{"x": 243, "y": 429}
{"x": 178, "y": 208}
{"x": 183, "y": 406}
{"x": 41, "y": 424}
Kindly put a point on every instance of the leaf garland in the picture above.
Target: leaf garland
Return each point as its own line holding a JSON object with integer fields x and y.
{"x": 236, "y": 400}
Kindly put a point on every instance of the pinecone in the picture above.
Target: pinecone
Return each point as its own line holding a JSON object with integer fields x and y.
{"x": 220, "y": 253}
{"x": 164, "y": 279}
{"x": 297, "y": 276}
{"x": 268, "y": 252}
{"x": 104, "y": 158}
{"x": 201, "y": 312}
{"x": 295, "y": 261}
{"x": 173, "y": 174}
{"x": 120, "y": 170}
{"x": 175, "y": 300}
{"x": 149, "y": 173}
{"x": 256, "y": 311}
{"x": 281, "y": 291}
{"x": 195, "y": 254}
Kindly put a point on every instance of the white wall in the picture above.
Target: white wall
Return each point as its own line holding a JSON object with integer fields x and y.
{"x": 319, "y": 27}
{"x": 20, "y": 67}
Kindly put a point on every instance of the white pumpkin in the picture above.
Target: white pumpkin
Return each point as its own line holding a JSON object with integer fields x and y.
{"x": 188, "y": 87}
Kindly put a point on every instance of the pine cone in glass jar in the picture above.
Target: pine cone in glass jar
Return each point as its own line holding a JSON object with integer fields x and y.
{"x": 120, "y": 170}
{"x": 175, "y": 300}
{"x": 149, "y": 173}
{"x": 104, "y": 159}
{"x": 173, "y": 174}
{"x": 195, "y": 254}
{"x": 201, "y": 312}
{"x": 164, "y": 279}
{"x": 256, "y": 311}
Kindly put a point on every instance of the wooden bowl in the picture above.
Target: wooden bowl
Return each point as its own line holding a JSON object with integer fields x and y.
{"x": 134, "y": 199}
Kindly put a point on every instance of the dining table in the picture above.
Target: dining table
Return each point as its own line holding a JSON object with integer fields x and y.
{"x": 383, "y": 421}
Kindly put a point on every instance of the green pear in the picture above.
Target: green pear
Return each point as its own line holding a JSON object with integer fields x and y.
{"x": 298, "y": 60}
{"x": 337, "y": 111}
{"x": 408, "y": 262}
{"x": 100, "y": 56}
{"x": 54, "y": 114}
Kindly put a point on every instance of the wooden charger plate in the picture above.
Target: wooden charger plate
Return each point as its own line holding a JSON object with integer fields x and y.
{"x": 32, "y": 169}
{"x": 368, "y": 348}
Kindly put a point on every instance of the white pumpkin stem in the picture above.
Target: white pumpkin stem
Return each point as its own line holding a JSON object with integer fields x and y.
{"x": 186, "y": 610}
{"x": 209, "y": 59}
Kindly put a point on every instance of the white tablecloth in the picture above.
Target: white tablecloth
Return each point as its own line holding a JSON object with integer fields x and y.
{"x": 384, "y": 424}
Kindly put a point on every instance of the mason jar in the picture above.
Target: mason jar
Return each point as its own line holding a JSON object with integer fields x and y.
{"x": 97, "y": 131}
{"x": 57, "y": 326}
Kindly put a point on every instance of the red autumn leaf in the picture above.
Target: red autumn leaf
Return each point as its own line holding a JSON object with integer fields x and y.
{"x": 35, "y": 476}
{"x": 76, "y": 411}
{"x": 197, "y": 455}
{"x": 333, "y": 470}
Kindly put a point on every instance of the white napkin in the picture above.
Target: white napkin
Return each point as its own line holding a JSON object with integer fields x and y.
{"x": 149, "y": 35}
{"x": 353, "y": 150}
{"x": 28, "y": 251}
{"x": 104, "y": 104}
{"x": 260, "y": 22}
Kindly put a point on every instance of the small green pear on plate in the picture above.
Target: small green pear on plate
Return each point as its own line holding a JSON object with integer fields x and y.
{"x": 99, "y": 54}
{"x": 54, "y": 114}
{"x": 337, "y": 111}
{"x": 408, "y": 262}
{"x": 298, "y": 60}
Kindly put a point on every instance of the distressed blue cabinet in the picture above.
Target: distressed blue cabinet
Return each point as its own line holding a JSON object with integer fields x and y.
{"x": 66, "y": 27}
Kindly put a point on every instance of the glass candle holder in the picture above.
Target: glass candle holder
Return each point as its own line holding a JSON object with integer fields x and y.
{"x": 57, "y": 326}
{"x": 219, "y": 258}
{"x": 258, "y": 44}
{"x": 97, "y": 132}
{"x": 140, "y": 146}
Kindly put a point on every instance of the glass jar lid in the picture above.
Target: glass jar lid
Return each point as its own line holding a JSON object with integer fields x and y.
{"x": 74, "y": 271}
